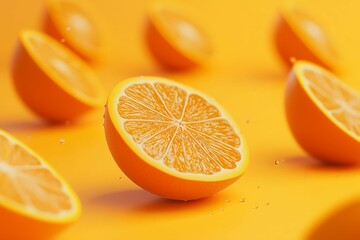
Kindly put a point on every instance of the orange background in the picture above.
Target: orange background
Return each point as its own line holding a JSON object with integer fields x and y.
{"x": 297, "y": 199}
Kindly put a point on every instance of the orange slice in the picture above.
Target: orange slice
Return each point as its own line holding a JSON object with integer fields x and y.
{"x": 76, "y": 24}
{"x": 323, "y": 114}
{"x": 172, "y": 140}
{"x": 175, "y": 41}
{"x": 35, "y": 202}
{"x": 298, "y": 36}
{"x": 52, "y": 81}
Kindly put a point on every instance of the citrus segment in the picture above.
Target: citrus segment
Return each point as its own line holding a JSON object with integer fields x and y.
{"x": 52, "y": 81}
{"x": 299, "y": 36}
{"x": 323, "y": 114}
{"x": 175, "y": 41}
{"x": 75, "y": 24}
{"x": 193, "y": 148}
{"x": 33, "y": 197}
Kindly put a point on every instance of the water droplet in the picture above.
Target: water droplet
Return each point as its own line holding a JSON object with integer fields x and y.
{"x": 222, "y": 209}
{"x": 258, "y": 187}
{"x": 242, "y": 200}
{"x": 292, "y": 60}
{"x": 62, "y": 40}
{"x": 120, "y": 178}
{"x": 277, "y": 162}
{"x": 62, "y": 141}
{"x": 247, "y": 121}
{"x": 68, "y": 28}
{"x": 267, "y": 204}
{"x": 228, "y": 201}
{"x": 256, "y": 207}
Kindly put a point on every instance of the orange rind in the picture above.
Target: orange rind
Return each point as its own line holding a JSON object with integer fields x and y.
{"x": 323, "y": 114}
{"x": 174, "y": 40}
{"x": 52, "y": 81}
{"x": 76, "y": 24}
{"x": 35, "y": 201}
{"x": 300, "y": 37}
{"x": 172, "y": 140}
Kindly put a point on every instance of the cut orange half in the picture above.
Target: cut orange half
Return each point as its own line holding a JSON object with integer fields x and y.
{"x": 323, "y": 114}
{"x": 175, "y": 41}
{"x": 298, "y": 36}
{"x": 35, "y": 202}
{"x": 172, "y": 140}
{"x": 76, "y": 25}
{"x": 52, "y": 81}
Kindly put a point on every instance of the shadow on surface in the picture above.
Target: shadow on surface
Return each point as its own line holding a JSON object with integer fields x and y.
{"x": 314, "y": 164}
{"x": 341, "y": 224}
{"x": 140, "y": 200}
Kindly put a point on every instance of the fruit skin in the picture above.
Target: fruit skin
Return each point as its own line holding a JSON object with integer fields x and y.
{"x": 166, "y": 54}
{"x": 16, "y": 226}
{"x": 169, "y": 184}
{"x": 19, "y": 225}
{"x": 290, "y": 45}
{"x": 151, "y": 178}
{"x": 314, "y": 131}
{"x": 54, "y": 29}
{"x": 40, "y": 93}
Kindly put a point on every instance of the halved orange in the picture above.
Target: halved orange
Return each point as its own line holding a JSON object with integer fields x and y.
{"x": 35, "y": 201}
{"x": 174, "y": 40}
{"x": 172, "y": 140}
{"x": 52, "y": 81}
{"x": 299, "y": 36}
{"x": 76, "y": 25}
{"x": 323, "y": 114}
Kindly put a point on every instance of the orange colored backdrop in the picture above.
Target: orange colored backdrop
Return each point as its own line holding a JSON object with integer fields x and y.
{"x": 297, "y": 199}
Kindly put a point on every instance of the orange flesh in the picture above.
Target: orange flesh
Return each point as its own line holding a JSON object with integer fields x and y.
{"x": 81, "y": 27}
{"x": 68, "y": 70}
{"x": 184, "y": 33}
{"x": 183, "y": 131}
{"x": 316, "y": 33}
{"x": 342, "y": 104}
{"x": 27, "y": 183}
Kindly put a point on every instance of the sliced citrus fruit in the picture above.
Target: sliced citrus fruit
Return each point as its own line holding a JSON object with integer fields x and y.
{"x": 172, "y": 140}
{"x": 76, "y": 25}
{"x": 35, "y": 202}
{"x": 323, "y": 114}
{"x": 52, "y": 81}
{"x": 175, "y": 41}
{"x": 298, "y": 36}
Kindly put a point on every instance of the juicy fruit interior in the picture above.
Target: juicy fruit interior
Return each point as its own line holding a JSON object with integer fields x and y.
{"x": 25, "y": 181}
{"x": 315, "y": 32}
{"x": 186, "y": 35}
{"x": 341, "y": 103}
{"x": 79, "y": 25}
{"x": 181, "y": 130}
{"x": 70, "y": 71}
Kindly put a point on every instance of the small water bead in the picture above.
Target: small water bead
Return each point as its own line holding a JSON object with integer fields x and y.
{"x": 242, "y": 200}
{"x": 228, "y": 201}
{"x": 277, "y": 162}
{"x": 62, "y": 141}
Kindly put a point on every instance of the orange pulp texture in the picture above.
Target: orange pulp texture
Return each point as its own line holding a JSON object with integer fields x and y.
{"x": 52, "y": 81}
{"x": 35, "y": 202}
{"x": 175, "y": 41}
{"x": 75, "y": 25}
{"x": 323, "y": 114}
{"x": 171, "y": 140}
{"x": 299, "y": 37}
